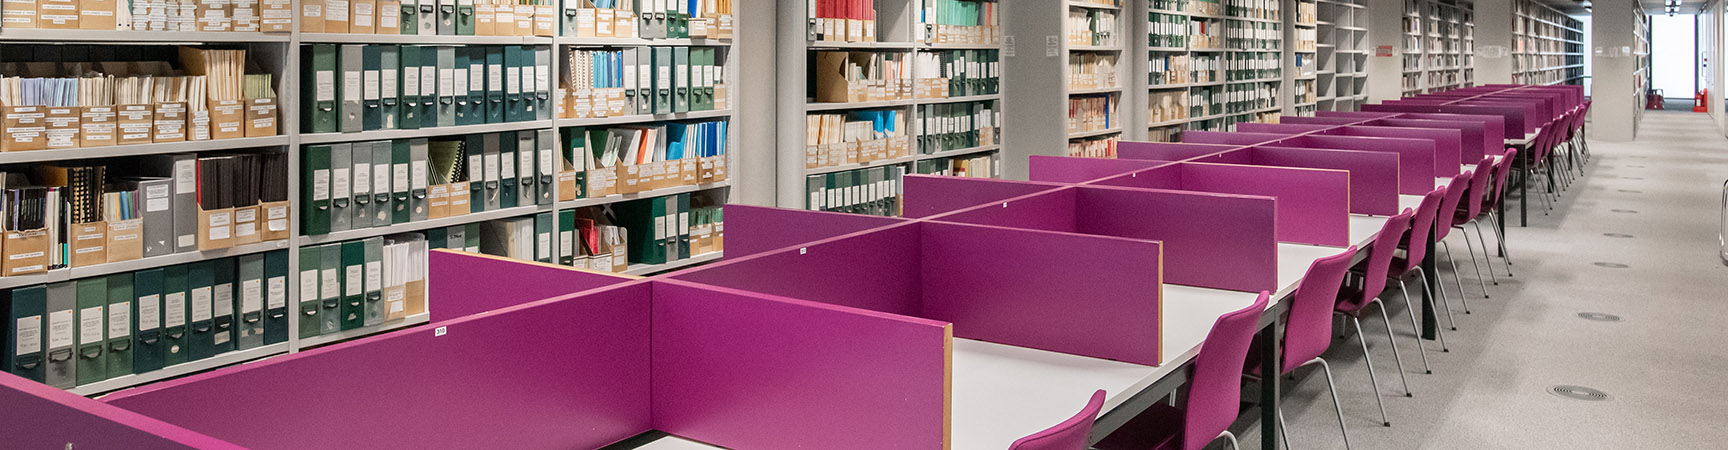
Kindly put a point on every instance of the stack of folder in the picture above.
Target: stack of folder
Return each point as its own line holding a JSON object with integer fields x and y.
{"x": 364, "y": 283}
{"x": 954, "y": 126}
{"x": 658, "y": 230}
{"x": 631, "y": 159}
{"x": 983, "y": 165}
{"x": 959, "y": 22}
{"x": 351, "y": 186}
{"x": 642, "y": 80}
{"x": 32, "y": 225}
{"x": 159, "y": 15}
{"x": 842, "y": 20}
{"x": 860, "y": 76}
{"x": 651, "y": 19}
{"x": 403, "y": 87}
{"x": 958, "y": 73}
{"x": 836, "y": 139}
{"x": 90, "y": 330}
{"x": 432, "y": 17}
{"x": 873, "y": 191}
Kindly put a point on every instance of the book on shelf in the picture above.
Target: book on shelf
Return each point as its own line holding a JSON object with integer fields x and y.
{"x": 853, "y": 137}
{"x": 621, "y": 82}
{"x": 873, "y": 191}
{"x": 841, "y": 20}
{"x": 861, "y": 76}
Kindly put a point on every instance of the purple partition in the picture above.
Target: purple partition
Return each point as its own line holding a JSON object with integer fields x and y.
{"x": 1493, "y": 127}
{"x": 1415, "y": 156}
{"x": 41, "y": 417}
{"x": 1515, "y": 123}
{"x": 757, "y": 229}
{"x": 1167, "y": 151}
{"x": 1373, "y": 175}
{"x": 461, "y": 284}
{"x": 1063, "y": 169}
{"x": 1200, "y": 232}
{"x": 565, "y": 373}
{"x": 1313, "y": 204}
{"x": 1284, "y": 128}
{"x": 746, "y": 370}
{"x": 926, "y": 196}
{"x": 1447, "y": 159}
{"x": 1321, "y": 120}
{"x": 1220, "y": 137}
{"x": 1472, "y": 145}
{"x": 1354, "y": 114}
{"x": 964, "y": 274}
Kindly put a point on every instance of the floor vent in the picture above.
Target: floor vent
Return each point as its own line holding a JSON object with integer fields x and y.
{"x": 1617, "y": 235}
{"x": 1612, "y": 265}
{"x": 1578, "y": 393}
{"x": 1599, "y": 317}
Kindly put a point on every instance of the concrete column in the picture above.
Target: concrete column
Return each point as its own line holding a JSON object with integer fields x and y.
{"x": 1494, "y": 41}
{"x": 1386, "y": 49}
{"x": 1618, "y": 99}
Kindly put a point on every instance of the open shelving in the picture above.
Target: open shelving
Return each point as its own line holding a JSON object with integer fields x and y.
{"x": 1341, "y": 57}
{"x": 1439, "y": 46}
{"x": 1548, "y": 46}
{"x": 1212, "y": 64}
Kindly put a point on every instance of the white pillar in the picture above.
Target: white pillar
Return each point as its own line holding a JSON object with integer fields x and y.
{"x": 1494, "y": 42}
{"x": 1618, "y": 102}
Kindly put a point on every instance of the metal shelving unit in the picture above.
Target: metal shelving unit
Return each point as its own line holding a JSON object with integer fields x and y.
{"x": 1548, "y": 45}
{"x": 1439, "y": 46}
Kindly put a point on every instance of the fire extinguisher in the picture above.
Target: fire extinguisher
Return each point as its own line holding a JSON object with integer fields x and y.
{"x": 1702, "y": 103}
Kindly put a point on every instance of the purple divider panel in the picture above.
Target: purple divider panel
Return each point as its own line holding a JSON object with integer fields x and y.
{"x": 1167, "y": 151}
{"x": 1353, "y": 114}
{"x": 39, "y": 416}
{"x": 1373, "y": 175}
{"x": 1551, "y": 103}
{"x": 1493, "y": 127}
{"x": 1085, "y": 295}
{"x": 1415, "y": 156}
{"x": 1065, "y": 169}
{"x": 1313, "y": 204}
{"x": 866, "y": 271}
{"x": 1514, "y": 116}
{"x": 759, "y": 229}
{"x": 1166, "y": 177}
{"x": 1535, "y": 109}
{"x": 1201, "y": 232}
{"x": 1220, "y": 241}
{"x": 1472, "y": 145}
{"x": 746, "y": 370}
{"x": 1229, "y": 138}
{"x": 926, "y": 196}
{"x": 1299, "y": 120}
{"x": 569, "y": 372}
{"x": 1447, "y": 159}
{"x": 1290, "y": 128}
{"x": 1240, "y": 155}
{"x": 461, "y": 284}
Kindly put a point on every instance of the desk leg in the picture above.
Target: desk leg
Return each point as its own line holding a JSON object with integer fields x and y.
{"x": 1524, "y": 187}
{"x": 1432, "y": 279}
{"x": 1269, "y": 381}
{"x": 1499, "y": 221}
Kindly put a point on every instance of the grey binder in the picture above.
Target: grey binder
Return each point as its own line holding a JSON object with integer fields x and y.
{"x": 571, "y": 10}
{"x": 447, "y": 17}
{"x": 158, "y": 215}
{"x": 390, "y": 67}
{"x": 62, "y": 327}
{"x": 542, "y": 83}
{"x": 330, "y": 288}
{"x": 374, "y": 282}
{"x": 353, "y": 71}
{"x": 341, "y": 184}
{"x": 251, "y": 299}
{"x": 546, "y": 147}
{"x": 183, "y": 200}
{"x": 489, "y": 146}
{"x": 428, "y": 17}
{"x": 418, "y": 209}
{"x": 447, "y": 85}
{"x": 680, "y": 79}
{"x": 362, "y": 186}
{"x": 381, "y": 207}
{"x": 663, "y": 80}
{"x": 526, "y": 192}
{"x": 456, "y": 237}
{"x": 644, "y": 80}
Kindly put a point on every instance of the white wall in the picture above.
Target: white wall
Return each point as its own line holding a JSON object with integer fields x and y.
{"x": 1673, "y": 47}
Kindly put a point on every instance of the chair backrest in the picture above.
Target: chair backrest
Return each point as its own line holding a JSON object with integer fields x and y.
{"x": 1071, "y": 434}
{"x": 1416, "y": 241}
{"x": 1215, "y": 390}
{"x": 1308, "y": 332}
{"x": 1501, "y": 171}
{"x": 1454, "y": 191}
{"x": 1478, "y": 190}
{"x": 1380, "y": 257}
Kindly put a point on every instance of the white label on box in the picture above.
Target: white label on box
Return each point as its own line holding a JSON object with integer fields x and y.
{"x": 372, "y": 85}
{"x": 174, "y": 309}
{"x": 388, "y": 90}
{"x": 149, "y": 312}
{"x": 320, "y": 185}
{"x": 119, "y": 320}
{"x": 308, "y": 285}
{"x": 325, "y": 86}
{"x": 375, "y": 274}
{"x": 186, "y": 176}
{"x": 278, "y": 292}
{"x": 90, "y": 325}
{"x": 329, "y": 285}
{"x": 354, "y": 274}
{"x": 156, "y": 198}
{"x": 60, "y": 329}
{"x": 201, "y": 303}
{"x": 29, "y": 335}
{"x": 543, "y": 244}
{"x": 251, "y": 296}
{"x": 419, "y": 174}
{"x": 400, "y": 174}
{"x": 340, "y": 184}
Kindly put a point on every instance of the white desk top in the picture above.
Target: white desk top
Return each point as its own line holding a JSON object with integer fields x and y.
{"x": 1525, "y": 140}
{"x": 674, "y": 443}
{"x": 1409, "y": 201}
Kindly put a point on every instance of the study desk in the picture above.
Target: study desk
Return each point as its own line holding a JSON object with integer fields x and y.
{"x": 1524, "y": 170}
{"x": 1004, "y": 392}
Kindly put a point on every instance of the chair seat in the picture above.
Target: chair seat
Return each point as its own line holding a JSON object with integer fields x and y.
{"x": 1158, "y": 428}
{"x": 1347, "y": 305}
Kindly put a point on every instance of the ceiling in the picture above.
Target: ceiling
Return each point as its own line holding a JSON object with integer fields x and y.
{"x": 1654, "y": 6}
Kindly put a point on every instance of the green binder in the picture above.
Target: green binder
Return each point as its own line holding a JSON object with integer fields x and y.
{"x": 543, "y": 237}
{"x": 176, "y": 330}
{"x": 374, "y": 281}
{"x": 682, "y": 222}
{"x": 310, "y": 293}
{"x": 276, "y": 297}
{"x": 353, "y": 285}
{"x": 474, "y": 148}
{"x": 515, "y": 102}
{"x": 200, "y": 279}
{"x": 495, "y": 84}
{"x": 408, "y": 83}
{"x": 410, "y": 18}
{"x": 644, "y": 224}
{"x": 507, "y": 181}
{"x": 92, "y": 330}
{"x": 371, "y": 61}
{"x": 147, "y": 342}
{"x": 120, "y": 325}
{"x": 465, "y": 18}
{"x": 330, "y": 288}
{"x": 322, "y": 91}
{"x": 315, "y": 190}
{"x": 222, "y": 306}
{"x": 249, "y": 298}
{"x": 22, "y": 348}
{"x": 567, "y": 237}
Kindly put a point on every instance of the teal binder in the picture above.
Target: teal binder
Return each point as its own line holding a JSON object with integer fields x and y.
{"x": 315, "y": 190}
{"x": 495, "y": 84}
{"x": 120, "y": 325}
{"x": 409, "y": 83}
{"x": 401, "y": 153}
{"x": 92, "y": 329}
{"x": 276, "y": 297}
{"x": 353, "y": 285}
{"x": 372, "y": 98}
{"x": 222, "y": 306}
{"x": 147, "y": 341}
{"x": 200, "y": 281}
{"x": 22, "y": 349}
{"x": 176, "y": 309}
{"x": 507, "y": 181}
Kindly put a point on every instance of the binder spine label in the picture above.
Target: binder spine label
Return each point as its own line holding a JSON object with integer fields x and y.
{"x": 60, "y": 329}
{"x": 201, "y": 303}
{"x": 278, "y": 292}
{"x": 28, "y": 335}
{"x": 119, "y": 320}
{"x": 149, "y": 312}
{"x": 174, "y": 306}
{"x": 90, "y": 325}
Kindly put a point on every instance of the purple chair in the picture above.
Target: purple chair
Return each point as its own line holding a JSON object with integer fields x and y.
{"x": 1454, "y": 192}
{"x": 1214, "y": 392}
{"x": 1415, "y": 246}
{"x": 1466, "y": 213}
{"x": 1071, "y": 434}
{"x": 1308, "y": 328}
{"x": 1491, "y": 205}
{"x": 1354, "y": 300}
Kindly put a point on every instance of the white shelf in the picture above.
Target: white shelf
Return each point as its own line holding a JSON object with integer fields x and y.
{"x": 645, "y": 269}
{"x": 464, "y": 219}
{"x": 662, "y": 192}
{"x": 1087, "y": 134}
{"x": 74, "y": 273}
{"x": 327, "y": 339}
{"x": 641, "y": 118}
{"x": 127, "y": 381}
{"x": 969, "y": 98}
{"x": 1094, "y": 48}
{"x": 139, "y": 149}
{"x": 614, "y": 42}
{"x": 958, "y": 152}
{"x": 381, "y": 135}
{"x": 1108, "y": 90}
{"x": 1092, "y": 5}
{"x": 815, "y": 107}
{"x": 857, "y": 166}
{"x": 819, "y": 45}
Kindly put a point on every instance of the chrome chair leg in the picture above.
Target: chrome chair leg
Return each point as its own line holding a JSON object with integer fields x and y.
{"x": 1487, "y": 255}
{"x": 1438, "y": 331}
{"x": 1459, "y": 282}
{"x": 1397, "y": 359}
{"x": 1230, "y": 438}
{"x": 1494, "y": 223}
{"x": 1368, "y": 360}
{"x": 1414, "y": 326}
{"x": 1283, "y": 429}
{"x": 1339, "y": 407}
{"x": 1472, "y": 249}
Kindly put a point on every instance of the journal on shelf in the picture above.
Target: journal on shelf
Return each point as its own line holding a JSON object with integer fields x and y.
{"x": 835, "y": 139}
{"x": 841, "y": 20}
{"x": 356, "y": 88}
{"x": 654, "y": 19}
{"x": 635, "y": 158}
{"x": 352, "y": 186}
{"x": 273, "y": 16}
{"x": 641, "y": 80}
{"x": 959, "y": 22}
{"x": 873, "y": 191}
